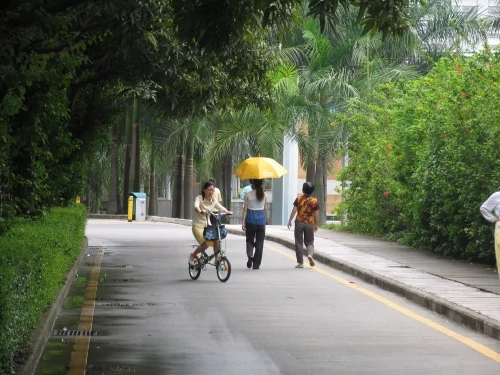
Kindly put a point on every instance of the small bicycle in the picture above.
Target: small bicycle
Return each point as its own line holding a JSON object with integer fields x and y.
{"x": 222, "y": 264}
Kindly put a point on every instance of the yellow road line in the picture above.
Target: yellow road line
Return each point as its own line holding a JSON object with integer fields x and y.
{"x": 448, "y": 332}
{"x": 78, "y": 362}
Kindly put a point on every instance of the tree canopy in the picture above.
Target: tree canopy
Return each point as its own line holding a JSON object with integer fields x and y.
{"x": 68, "y": 66}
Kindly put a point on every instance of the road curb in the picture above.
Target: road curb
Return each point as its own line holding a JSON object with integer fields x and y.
{"x": 452, "y": 311}
{"x": 42, "y": 333}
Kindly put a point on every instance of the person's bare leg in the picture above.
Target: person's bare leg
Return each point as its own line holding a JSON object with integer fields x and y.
{"x": 198, "y": 250}
{"x": 216, "y": 250}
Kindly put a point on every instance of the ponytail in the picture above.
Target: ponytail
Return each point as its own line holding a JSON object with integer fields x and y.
{"x": 259, "y": 190}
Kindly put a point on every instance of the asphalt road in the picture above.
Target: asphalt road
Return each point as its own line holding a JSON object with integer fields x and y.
{"x": 151, "y": 318}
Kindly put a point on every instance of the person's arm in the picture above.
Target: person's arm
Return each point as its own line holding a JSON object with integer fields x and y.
{"x": 220, "y": 207}
{"x": 265, "y": 208}
{"x": 488, "y": 207}
{"x": 316, "y": 219}
{"x": 244, "y": 216}
{"x": 292, "y": 214}
{"x": 197, "y": 205}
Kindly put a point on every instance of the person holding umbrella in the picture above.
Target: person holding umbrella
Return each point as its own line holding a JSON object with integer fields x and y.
{"x": 254, "y": 209}
{"x": 254, "y": 223}
{"x": 306, "y": 224}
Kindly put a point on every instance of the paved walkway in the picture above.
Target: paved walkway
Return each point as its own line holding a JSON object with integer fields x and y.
{"x": 468, "y": 293}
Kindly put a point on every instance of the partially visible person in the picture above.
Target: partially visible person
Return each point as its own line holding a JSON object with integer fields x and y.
{"x": 490, "y": 210}
{"x": 246, "y": 190}
{"x": 217, "y": 194}
{"x": 254, "y": 223}
{"x": 306, "y": 224}
{"x": 202, "y": 203}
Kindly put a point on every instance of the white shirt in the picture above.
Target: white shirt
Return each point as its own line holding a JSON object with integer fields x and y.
{"x": 253, "y": 203}
{"x": 490, "y": 209}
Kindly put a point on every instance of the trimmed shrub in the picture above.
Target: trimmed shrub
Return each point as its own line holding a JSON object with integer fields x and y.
{"x": 35, "y": 257}
{"x": 424, "y": 156}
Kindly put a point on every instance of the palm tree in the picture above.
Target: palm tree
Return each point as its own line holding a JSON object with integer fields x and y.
{"x": 186, "y": 139}
{"x": 342, "y": 63}
{"x": 239, "y": 135}
{"x": 114, "y": 205}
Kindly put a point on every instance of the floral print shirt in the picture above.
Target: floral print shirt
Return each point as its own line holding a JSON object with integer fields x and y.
{"x": 306, "y": 205}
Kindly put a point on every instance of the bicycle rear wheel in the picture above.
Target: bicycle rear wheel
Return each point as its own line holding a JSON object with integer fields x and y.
{"x": 223, "y": 269}
{"x": 194, "y": 270}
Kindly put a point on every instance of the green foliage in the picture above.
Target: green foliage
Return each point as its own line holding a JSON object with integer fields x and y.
{"x": 423, "y": 158}
{"x": 35, "y": 257}
{"x": 211, "y": 24}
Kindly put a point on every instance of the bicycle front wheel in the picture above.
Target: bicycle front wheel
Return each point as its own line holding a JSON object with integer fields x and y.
{"x": 223, "y": 269}
{"x": 194, "y": 271}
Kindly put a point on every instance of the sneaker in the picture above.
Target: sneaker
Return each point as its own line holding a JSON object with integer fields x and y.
{"x": 311, "y": 261}
{"x": 249, "y": 262}
{"x": 191, "y": 259}
{"x": 300, "y": 265}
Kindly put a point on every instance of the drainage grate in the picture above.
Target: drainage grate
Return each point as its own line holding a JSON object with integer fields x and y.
{"x": 120, "y": 304}
{"x": 73, "y": 332}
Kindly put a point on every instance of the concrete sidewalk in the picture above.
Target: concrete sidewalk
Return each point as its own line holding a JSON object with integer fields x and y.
{"x": 468, "y": 293}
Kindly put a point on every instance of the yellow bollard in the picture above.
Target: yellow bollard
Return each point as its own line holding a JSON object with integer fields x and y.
{"x": 130, "y": 208}
{"x": 77, "y": 200}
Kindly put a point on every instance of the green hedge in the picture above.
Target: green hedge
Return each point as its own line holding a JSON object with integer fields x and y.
{"x": 35, "y": 257}
{"x": 423, "y": 156}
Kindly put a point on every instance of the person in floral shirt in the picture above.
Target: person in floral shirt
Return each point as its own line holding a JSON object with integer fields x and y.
{"x": 306, "y": 223}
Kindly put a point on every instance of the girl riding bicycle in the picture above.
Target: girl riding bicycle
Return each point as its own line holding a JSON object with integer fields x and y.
{"x": 202, "y": 203}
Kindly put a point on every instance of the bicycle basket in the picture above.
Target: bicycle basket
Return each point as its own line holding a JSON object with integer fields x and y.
{"x": 210, "y": 232}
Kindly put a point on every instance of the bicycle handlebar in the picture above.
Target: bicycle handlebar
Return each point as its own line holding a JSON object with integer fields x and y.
{"x": 217, "y": 213}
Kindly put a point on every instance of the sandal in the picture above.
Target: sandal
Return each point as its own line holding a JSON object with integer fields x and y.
{"x": 311, "y": 261}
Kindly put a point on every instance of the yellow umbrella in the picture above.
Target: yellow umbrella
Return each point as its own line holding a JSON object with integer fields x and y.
{"x": 258, "y": 167}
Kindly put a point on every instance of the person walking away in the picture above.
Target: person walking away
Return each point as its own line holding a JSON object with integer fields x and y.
{"x": 202, "y": 203}
{"x": 217, "y": 194}
{"x": 254, "y": 223}
{"x": 306, "y": 224}
{"x": 490, "y": 210}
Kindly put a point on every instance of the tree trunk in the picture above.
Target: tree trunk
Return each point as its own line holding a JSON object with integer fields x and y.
{"x": 137, "y": 144}
{"x": 319, "y": 191}
{"x": 177, "y": 188}
{"x": 129, "y": 172}
{"x": 226, "y": 183}
{"x": 311, "y": 170}
{"x": 188, "y": 182}
{"x": 153, "y": 196}
{"x": 113, "y": 199}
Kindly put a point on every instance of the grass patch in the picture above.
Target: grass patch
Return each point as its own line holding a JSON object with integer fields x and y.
{"x": 74, "y": 302}
{"x": 81, "y": 280}
{"x": 336, "y": 227}
{"x": 55, "y": 358}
